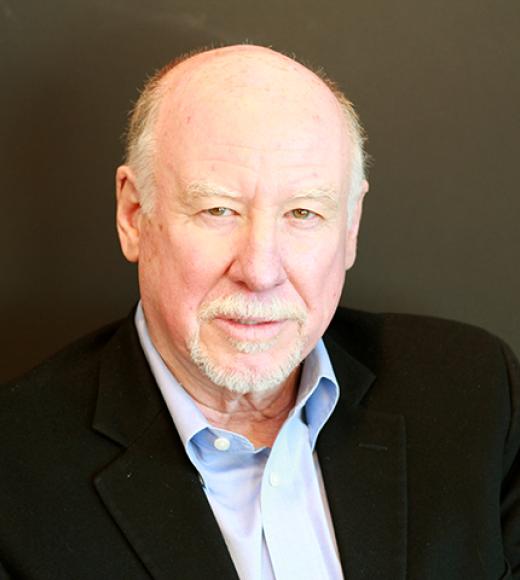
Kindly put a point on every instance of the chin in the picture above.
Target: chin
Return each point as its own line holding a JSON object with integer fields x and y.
{"x": 253, "y": 367}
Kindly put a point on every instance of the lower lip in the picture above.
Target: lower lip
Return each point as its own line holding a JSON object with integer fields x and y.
{"x": 250, "y": 332}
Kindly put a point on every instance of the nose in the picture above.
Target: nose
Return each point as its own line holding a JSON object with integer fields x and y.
{"x": 258, "y": 263}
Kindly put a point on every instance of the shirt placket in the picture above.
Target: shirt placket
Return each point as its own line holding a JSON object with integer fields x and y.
{"x": 290, "y": 543}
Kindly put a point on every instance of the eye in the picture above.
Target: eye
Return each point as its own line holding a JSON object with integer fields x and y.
{"x": 303, "y": 214}
{"x": 219, "y": 211}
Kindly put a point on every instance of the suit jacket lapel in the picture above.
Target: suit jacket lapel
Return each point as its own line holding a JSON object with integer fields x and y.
{"x": 363, "y": 460}
{"x": 151, "y": 489}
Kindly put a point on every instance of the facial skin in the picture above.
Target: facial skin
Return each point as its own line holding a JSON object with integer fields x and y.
{"x": 252, "y": 171}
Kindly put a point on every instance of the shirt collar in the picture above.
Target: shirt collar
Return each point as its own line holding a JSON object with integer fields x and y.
{"x": 318, "y": 393}
{"x": 317, "y": 397}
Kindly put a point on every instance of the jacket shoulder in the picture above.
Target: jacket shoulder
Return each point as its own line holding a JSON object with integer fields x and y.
{"x": 415, "y": 323}
{"x": 78, "y": 356}
{"x": 63, "y": 385}
{"x": 368, "y": 332}
{"x": 425, "y": 350}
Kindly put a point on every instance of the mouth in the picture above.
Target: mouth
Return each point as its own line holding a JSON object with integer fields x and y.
{"x": 250, "y": 329}
{"x": 250, "y": 321}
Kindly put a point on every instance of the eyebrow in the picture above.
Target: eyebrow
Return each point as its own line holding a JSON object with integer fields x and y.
{"x": 325, "y": 194}
{"x": 205, "y": 189}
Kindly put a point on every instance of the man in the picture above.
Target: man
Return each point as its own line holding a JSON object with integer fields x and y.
{"x": 205, "y": 436}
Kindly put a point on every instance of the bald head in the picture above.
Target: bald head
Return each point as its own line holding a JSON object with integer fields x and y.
{"x": 268, "y": 99}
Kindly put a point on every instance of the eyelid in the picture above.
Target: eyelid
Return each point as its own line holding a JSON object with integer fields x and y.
{"x": 224, "y": 211}
{"x": 310, "y": 214}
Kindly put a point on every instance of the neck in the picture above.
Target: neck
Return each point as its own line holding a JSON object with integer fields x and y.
{"x": 257, "y": 416}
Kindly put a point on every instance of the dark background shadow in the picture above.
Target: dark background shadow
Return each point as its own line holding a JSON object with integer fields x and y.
{"x": 437, "y": 86}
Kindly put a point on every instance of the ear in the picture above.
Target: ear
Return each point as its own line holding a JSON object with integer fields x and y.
{"x": 128, "y": 214}
{"x": 353, "y": 228}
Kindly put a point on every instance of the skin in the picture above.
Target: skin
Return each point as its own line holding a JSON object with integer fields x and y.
{"x": 267, "y": 138}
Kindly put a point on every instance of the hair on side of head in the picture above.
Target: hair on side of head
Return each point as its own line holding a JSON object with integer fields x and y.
{"x": 358, "y": 138}
{"x": 139, "y": 137}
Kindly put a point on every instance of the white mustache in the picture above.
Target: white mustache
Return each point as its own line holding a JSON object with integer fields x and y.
{"x": 237, "y": 306}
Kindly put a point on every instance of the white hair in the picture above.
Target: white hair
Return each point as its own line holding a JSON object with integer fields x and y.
{"x": 141, "y": 143}
{"x": 246, "y": 381}
{"x": 249, "y": 380}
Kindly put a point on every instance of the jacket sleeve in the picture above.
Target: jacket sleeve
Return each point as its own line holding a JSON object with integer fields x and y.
{"x": 510, "y": 497}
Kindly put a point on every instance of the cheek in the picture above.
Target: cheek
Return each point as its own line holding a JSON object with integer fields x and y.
{"x": 319, "y": 263}
{"x": 318, "y": 277}
{"x": 180, "y": 267}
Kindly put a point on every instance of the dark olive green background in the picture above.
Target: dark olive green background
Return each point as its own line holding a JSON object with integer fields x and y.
{"x": 437, "y": 85}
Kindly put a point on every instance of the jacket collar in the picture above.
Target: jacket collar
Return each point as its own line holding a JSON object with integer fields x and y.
{"x": 128, "y": 398}
{"x": 362, "y": 456}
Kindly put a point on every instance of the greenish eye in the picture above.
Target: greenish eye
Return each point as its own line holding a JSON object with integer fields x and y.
{"x": 302, "y": 214}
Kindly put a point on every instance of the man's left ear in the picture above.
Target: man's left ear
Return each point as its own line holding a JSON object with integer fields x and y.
{"x": 129, "y": 213}
{"x": 353, "y": 228}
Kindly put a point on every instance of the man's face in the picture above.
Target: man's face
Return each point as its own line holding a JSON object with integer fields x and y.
{"x": 242, "y": 261}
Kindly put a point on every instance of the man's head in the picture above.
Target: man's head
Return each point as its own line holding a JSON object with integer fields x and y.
{"x": 240, "y": 201}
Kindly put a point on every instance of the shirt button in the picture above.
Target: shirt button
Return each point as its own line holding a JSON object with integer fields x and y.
{"x": 222, "y": 444}
{"x": 274, "y": 479}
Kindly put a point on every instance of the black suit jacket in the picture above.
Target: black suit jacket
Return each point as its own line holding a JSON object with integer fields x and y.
{"x": 419, "y": 461}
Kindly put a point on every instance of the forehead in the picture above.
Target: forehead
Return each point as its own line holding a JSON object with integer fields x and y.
{"x": 250, "y": 110}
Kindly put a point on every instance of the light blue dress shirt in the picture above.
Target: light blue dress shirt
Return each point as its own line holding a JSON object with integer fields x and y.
{"x": 270, "y": 503}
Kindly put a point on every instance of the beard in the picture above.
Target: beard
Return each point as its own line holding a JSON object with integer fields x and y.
{"x": 244, "y": 380}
